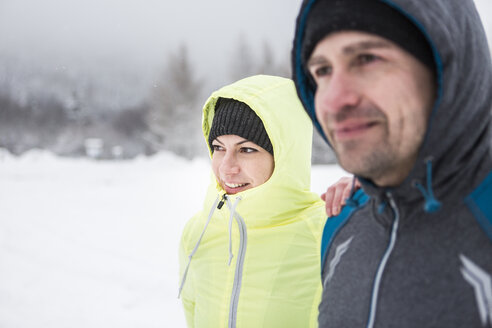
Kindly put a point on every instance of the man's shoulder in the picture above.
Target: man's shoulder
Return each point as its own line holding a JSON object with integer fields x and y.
{"x": 354, "y": 204}
{"x": 480, "y": 203}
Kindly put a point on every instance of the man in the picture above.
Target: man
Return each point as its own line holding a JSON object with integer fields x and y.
{"x": 402, "y": 91}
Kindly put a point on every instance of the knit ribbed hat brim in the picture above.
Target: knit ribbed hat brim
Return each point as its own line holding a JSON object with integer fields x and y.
{"x": 371, "y": 16}
{"x": 235, "y": 117}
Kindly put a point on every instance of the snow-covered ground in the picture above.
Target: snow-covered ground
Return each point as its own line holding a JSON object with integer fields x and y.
{"x": 94, "y": 244}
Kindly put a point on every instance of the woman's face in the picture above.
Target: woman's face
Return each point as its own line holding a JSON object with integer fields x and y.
{"x": 239, "y": 164}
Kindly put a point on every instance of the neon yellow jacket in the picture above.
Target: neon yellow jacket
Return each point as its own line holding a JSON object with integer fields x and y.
{"x": 273, "y": 243}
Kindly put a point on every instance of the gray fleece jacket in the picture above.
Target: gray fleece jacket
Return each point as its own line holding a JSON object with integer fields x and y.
{"x": 389, "y": 260}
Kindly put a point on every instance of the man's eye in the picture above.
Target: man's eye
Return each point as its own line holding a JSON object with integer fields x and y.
{"x": 321, "y": 71}
{"x": 366, "y": 59}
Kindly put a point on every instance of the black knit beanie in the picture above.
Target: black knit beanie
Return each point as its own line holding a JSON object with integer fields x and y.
{"x": 235, "y": 117}
{"x": 371, "y": 16}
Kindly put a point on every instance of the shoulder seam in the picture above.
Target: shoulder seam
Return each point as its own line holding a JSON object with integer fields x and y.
{"x": 334, "y": 224}
{"x": 478, "y": 202}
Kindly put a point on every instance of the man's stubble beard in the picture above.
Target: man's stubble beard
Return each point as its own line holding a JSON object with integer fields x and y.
{"x": 368, "y": 163}
{"x": 380, "y": 160}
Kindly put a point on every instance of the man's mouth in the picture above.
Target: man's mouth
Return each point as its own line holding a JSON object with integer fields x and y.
{"x": 352, "y": 130}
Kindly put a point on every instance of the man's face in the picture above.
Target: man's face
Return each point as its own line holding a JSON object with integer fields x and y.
{"x": 373, "y": 101}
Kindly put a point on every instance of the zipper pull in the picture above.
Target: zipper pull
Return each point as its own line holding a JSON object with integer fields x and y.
{"x": 221, "y": 203}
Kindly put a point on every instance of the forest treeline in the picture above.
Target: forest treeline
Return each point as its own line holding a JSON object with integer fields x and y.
{"x": 167, "y": 118}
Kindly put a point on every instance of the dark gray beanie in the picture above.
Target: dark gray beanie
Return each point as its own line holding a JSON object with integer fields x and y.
{"x": 371, "y": 16}
{"x": 235, "y": 117}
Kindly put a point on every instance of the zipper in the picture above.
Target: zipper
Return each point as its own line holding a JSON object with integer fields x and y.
{"x": 384, "y": 260}
{"x": 238, "y": 275}
{"x": 222, "y": 200}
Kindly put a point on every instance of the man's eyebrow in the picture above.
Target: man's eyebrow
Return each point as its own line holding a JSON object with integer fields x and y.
{"x": 316, "y": 60}
{"x": 350, "y": 49}
{"x": 365, "y": 45}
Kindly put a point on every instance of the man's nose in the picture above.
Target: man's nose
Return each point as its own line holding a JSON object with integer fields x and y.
{"x": 340, "y": 92}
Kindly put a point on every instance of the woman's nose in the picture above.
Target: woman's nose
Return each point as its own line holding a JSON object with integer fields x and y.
{"x": 230, "y": 164}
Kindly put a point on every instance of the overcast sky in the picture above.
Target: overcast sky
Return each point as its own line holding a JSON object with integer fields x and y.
{"x": 140, "y": 33}
{"x": 143, "y": 32}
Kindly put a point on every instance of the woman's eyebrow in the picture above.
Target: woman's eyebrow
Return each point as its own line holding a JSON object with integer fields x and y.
{"x": 241, "y": 142}
{"x": 217, "y": 139}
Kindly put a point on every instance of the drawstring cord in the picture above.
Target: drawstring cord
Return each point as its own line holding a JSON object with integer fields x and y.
{"x": 233, "y": 211}
{"x": 382, "y": 207}
{"x": 183, "y": 279}
{"x": 431, "y": 203}
{"x": 218, "y": 205}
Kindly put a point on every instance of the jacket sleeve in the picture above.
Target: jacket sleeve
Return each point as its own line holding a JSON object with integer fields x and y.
{"x": 189, "y": 309}
{"x": 187, "y": 297}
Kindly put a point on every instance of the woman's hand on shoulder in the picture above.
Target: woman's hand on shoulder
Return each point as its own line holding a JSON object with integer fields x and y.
{"x": 337, "y": 194}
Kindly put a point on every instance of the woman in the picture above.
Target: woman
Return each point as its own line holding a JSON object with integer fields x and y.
{"x": 250, "y": 257}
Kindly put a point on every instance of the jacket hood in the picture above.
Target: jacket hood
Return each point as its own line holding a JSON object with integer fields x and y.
{"x": 287, "y": 191}
{"x": 458, "y": 134}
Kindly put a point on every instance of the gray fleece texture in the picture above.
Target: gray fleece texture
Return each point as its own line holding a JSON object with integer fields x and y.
{"x": 436, "y": 274}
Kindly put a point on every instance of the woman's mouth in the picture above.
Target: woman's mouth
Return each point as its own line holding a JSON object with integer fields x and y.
{"x": 232, "y": 188}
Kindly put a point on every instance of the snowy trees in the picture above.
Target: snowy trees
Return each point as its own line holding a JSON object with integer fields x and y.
{"x": 243, "y": 62}
{"x": 175, "y": 110}
{"x": 53, "y": 109}
{"x": 58, "y": 107}
{"x": 19, "y": 123}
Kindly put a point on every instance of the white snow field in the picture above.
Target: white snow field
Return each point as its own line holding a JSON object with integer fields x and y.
{"x": 87, "y": 243}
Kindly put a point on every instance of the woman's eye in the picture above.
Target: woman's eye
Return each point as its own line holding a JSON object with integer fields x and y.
{"x": 248, "y": 150}
{"x": 217, "y": 148}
